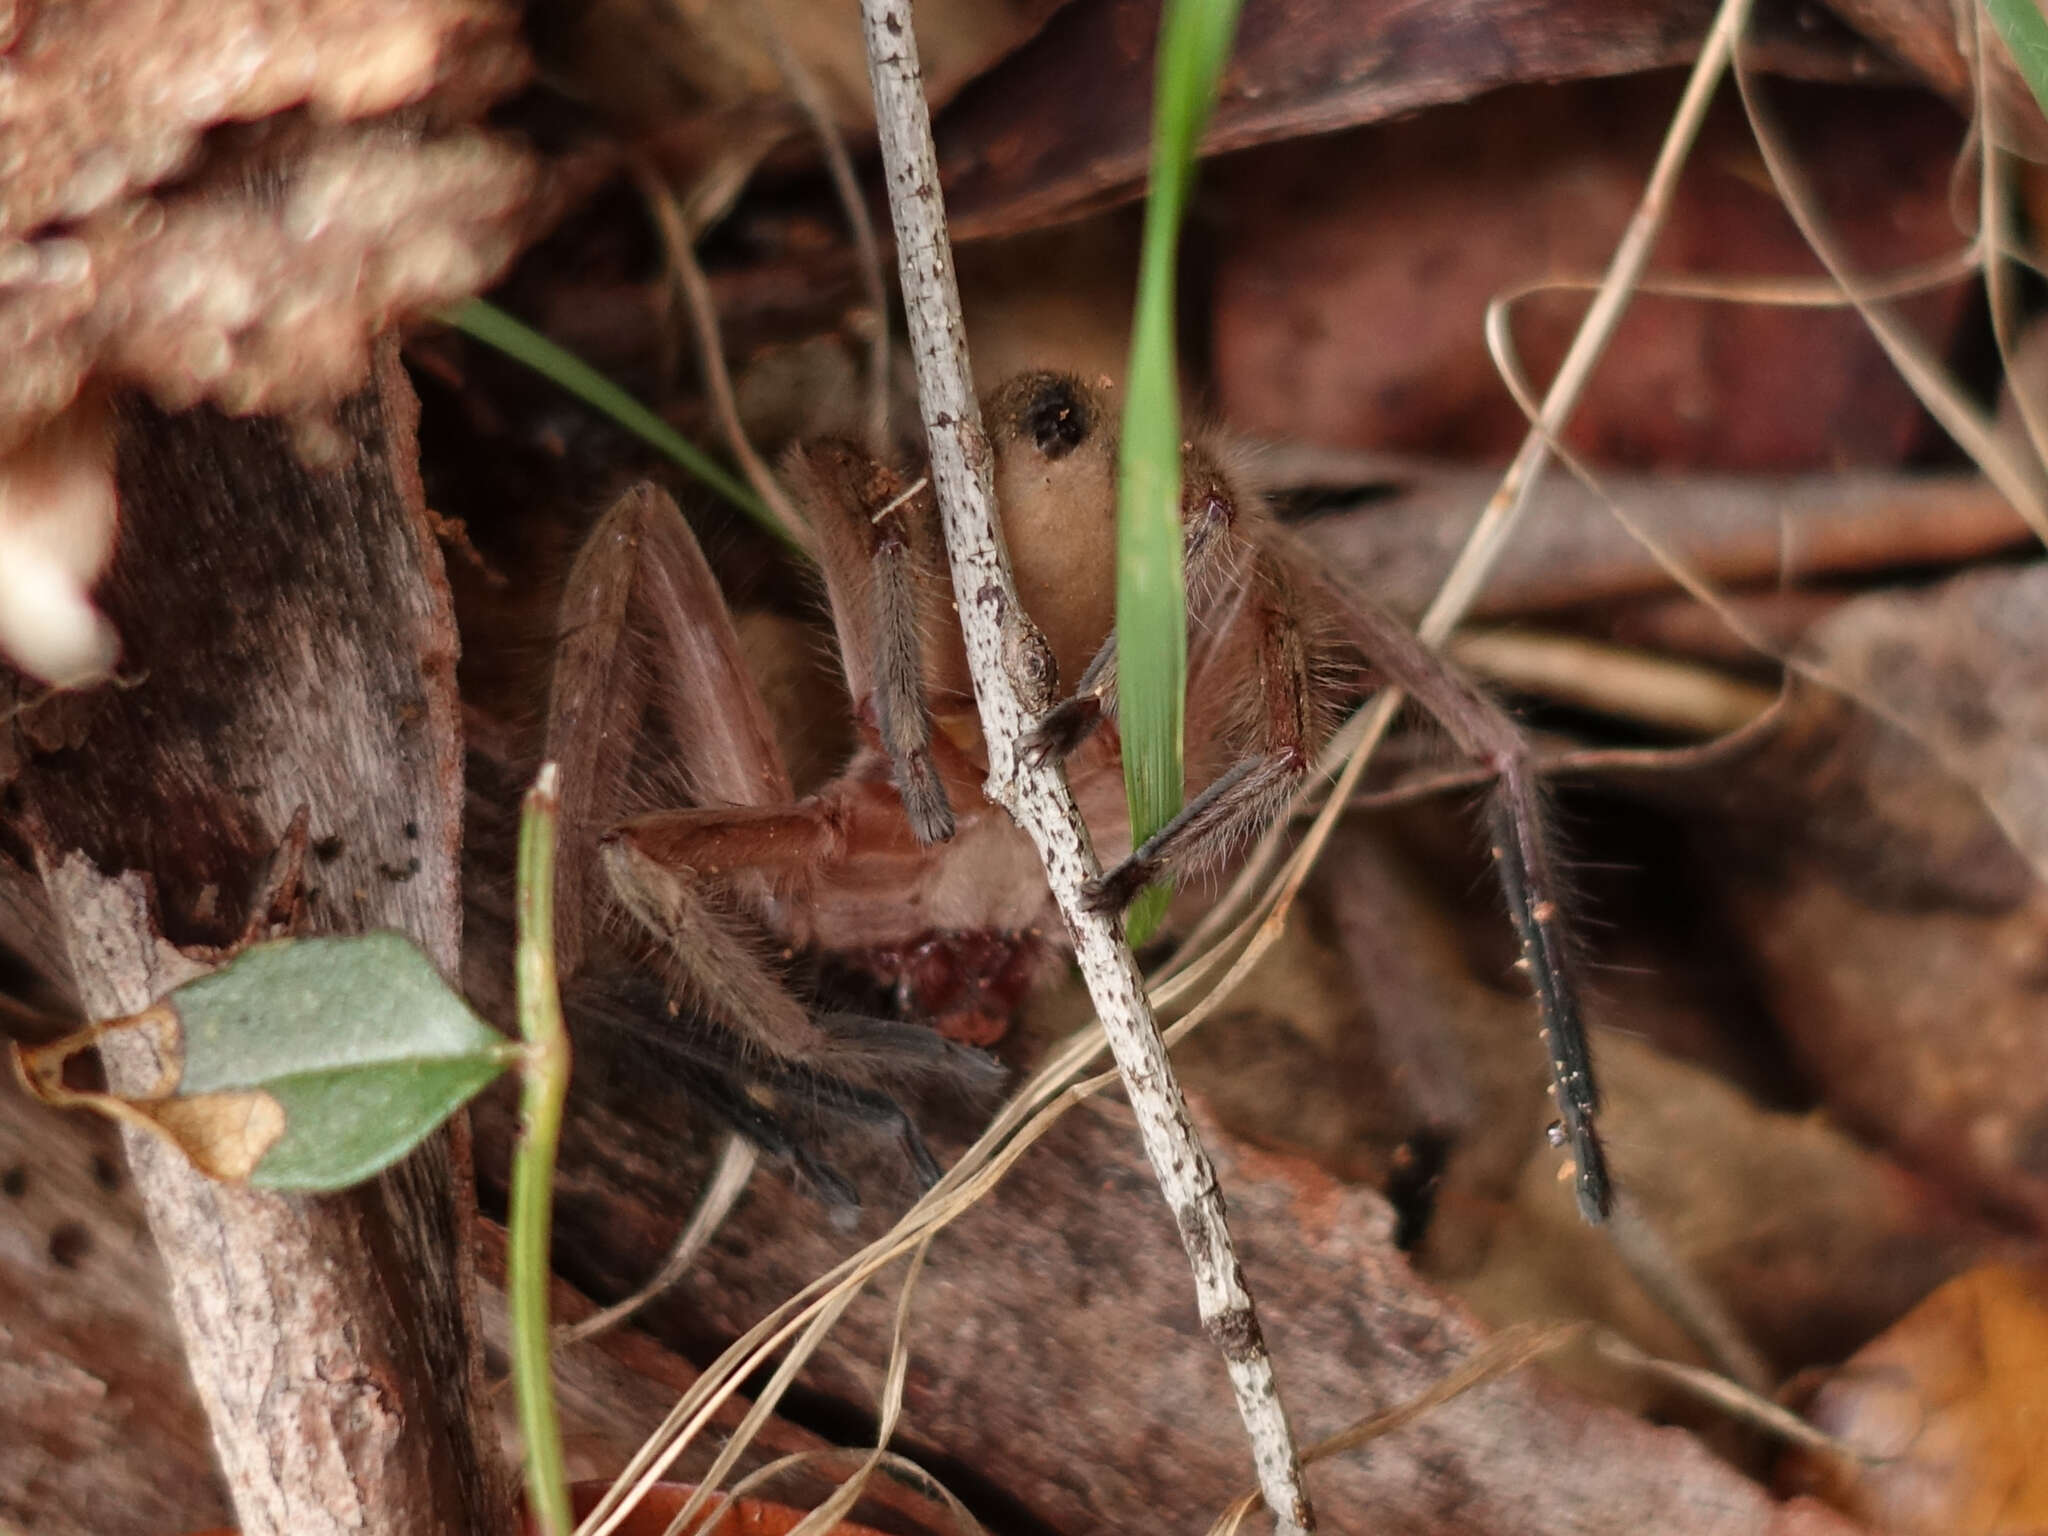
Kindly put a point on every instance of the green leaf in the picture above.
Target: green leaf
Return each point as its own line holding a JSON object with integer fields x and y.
{"x": 2025, "y": 32}
{"x": 359, "y": 1041}
{"x": 1151, "y": 601}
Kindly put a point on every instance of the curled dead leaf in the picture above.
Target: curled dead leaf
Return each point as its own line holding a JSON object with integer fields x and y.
{"x": 224, "y": 1134}
{"x": 1882, "y": 861}
{"x": 1961, "y": 668}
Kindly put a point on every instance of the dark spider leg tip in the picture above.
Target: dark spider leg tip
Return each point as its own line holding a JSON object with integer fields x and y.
{"x": 838, "y": 1195}
{"x": 1110, "y": 892}
{"x": 913, "y": 1048}
{"x": 767, "y": 1131}
{"x": 922, "y": 1163}
{"x": 1591, "y": 1182}
{"x": 972, "y": 1065}
{"x": 1061, "y": 729}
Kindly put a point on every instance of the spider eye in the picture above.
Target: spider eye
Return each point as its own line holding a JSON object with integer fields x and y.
{"x": 1056, "y": 419}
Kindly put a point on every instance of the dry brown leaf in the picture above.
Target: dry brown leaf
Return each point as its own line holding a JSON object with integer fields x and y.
{"x": 1353, "y": 278}
{"x": 1065, "y": 125}
{"x": 1964, "y": 669}
{"x": 1772, "y": 533}
{"x": 1949, "y": 1408}
{"x": 1365, "y": 1033}
{"x": 224, "y": 1134}
{"x": 1812, "y": 1241}
{"x": 698, "y": 71}
{"x": 1899, "y": 932}
{"x": 1924, "y": 34}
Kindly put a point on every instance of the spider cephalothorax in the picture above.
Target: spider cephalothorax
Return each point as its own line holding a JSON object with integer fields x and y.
{"x": 900, "y": 866}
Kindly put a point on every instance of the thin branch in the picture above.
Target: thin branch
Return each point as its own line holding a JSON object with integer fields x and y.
{"x": 1616, "y": 680}
{"x": 1013, "y": 679}
{"x": 676, "y": 239}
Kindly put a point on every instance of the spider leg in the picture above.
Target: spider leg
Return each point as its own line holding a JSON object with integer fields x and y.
{"x": 1208, "y": 514}
{"x": 1520, "y": 844}
{"x": 648, "y": 643}
{"x": 668, "y": 869}
{"x": 874, "y": 543}
{"x": 738, "y": 1094}
{"x": 770, "y": 1103}
{"x": 644, "y": 628}
{"x": 1248, "y": 794}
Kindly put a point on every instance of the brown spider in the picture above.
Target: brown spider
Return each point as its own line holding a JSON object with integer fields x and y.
{"x": 900, "y": 866}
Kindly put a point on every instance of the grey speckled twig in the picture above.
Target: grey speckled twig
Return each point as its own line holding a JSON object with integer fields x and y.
{"x": 1013, "y": 684}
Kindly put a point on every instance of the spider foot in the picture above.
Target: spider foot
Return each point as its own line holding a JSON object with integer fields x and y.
{"x": 1115, "y": 889}
{"x": 1061, "y": 729}
{"x": 804, "y": 1100}
{"x": 858, "y": 1079}
{"x": 1590, "y": 1179}
{"x": 924, "y": 799}
{"x": 890, "y": 1050}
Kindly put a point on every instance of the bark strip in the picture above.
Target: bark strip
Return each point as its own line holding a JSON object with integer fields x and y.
{"x": 288, "y": 642}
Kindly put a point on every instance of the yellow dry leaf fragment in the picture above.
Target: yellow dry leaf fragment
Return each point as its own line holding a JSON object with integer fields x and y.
{"x": 224, "y": 1134}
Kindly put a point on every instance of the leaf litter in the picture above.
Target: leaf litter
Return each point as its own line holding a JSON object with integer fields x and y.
{"x": 1856, "y": 880}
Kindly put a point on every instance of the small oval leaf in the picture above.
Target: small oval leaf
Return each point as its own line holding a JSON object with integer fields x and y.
{"x": 303, "y": 1064}
{"x": 359, "y": 1040}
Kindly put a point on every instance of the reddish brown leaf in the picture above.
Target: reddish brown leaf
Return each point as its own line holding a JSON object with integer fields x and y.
{"x": 1353, "y": 279}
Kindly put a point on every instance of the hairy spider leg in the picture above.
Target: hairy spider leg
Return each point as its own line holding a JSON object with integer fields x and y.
{"x": 876, "y": 544}
{"x": 644, "y": 627}
{"x": 1271, "y": 740}
{"x": 1223, "y": 528}
{"x": 1208, "y": 516}
{"x": 1520, "y": 844}
{"x": 764, "y": 1100}
{"x": 646, "y": 633}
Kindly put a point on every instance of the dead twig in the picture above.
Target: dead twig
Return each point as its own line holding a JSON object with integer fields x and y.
{"x": 810, "y": 100}
{"x": 1612, "y": 679}
{"x": 1012, "y": 681}
{"x": 676, "y": 239}
{"x": 728, "y": 1182}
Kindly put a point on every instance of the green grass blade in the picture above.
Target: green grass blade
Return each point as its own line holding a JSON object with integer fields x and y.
{"x": 493, "y": 327}
{"x": 2025, "y": 31}
{"x": 1151, "y": 603}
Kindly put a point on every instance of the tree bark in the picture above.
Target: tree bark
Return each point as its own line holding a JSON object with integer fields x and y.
{"x": 288, "y": 643}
